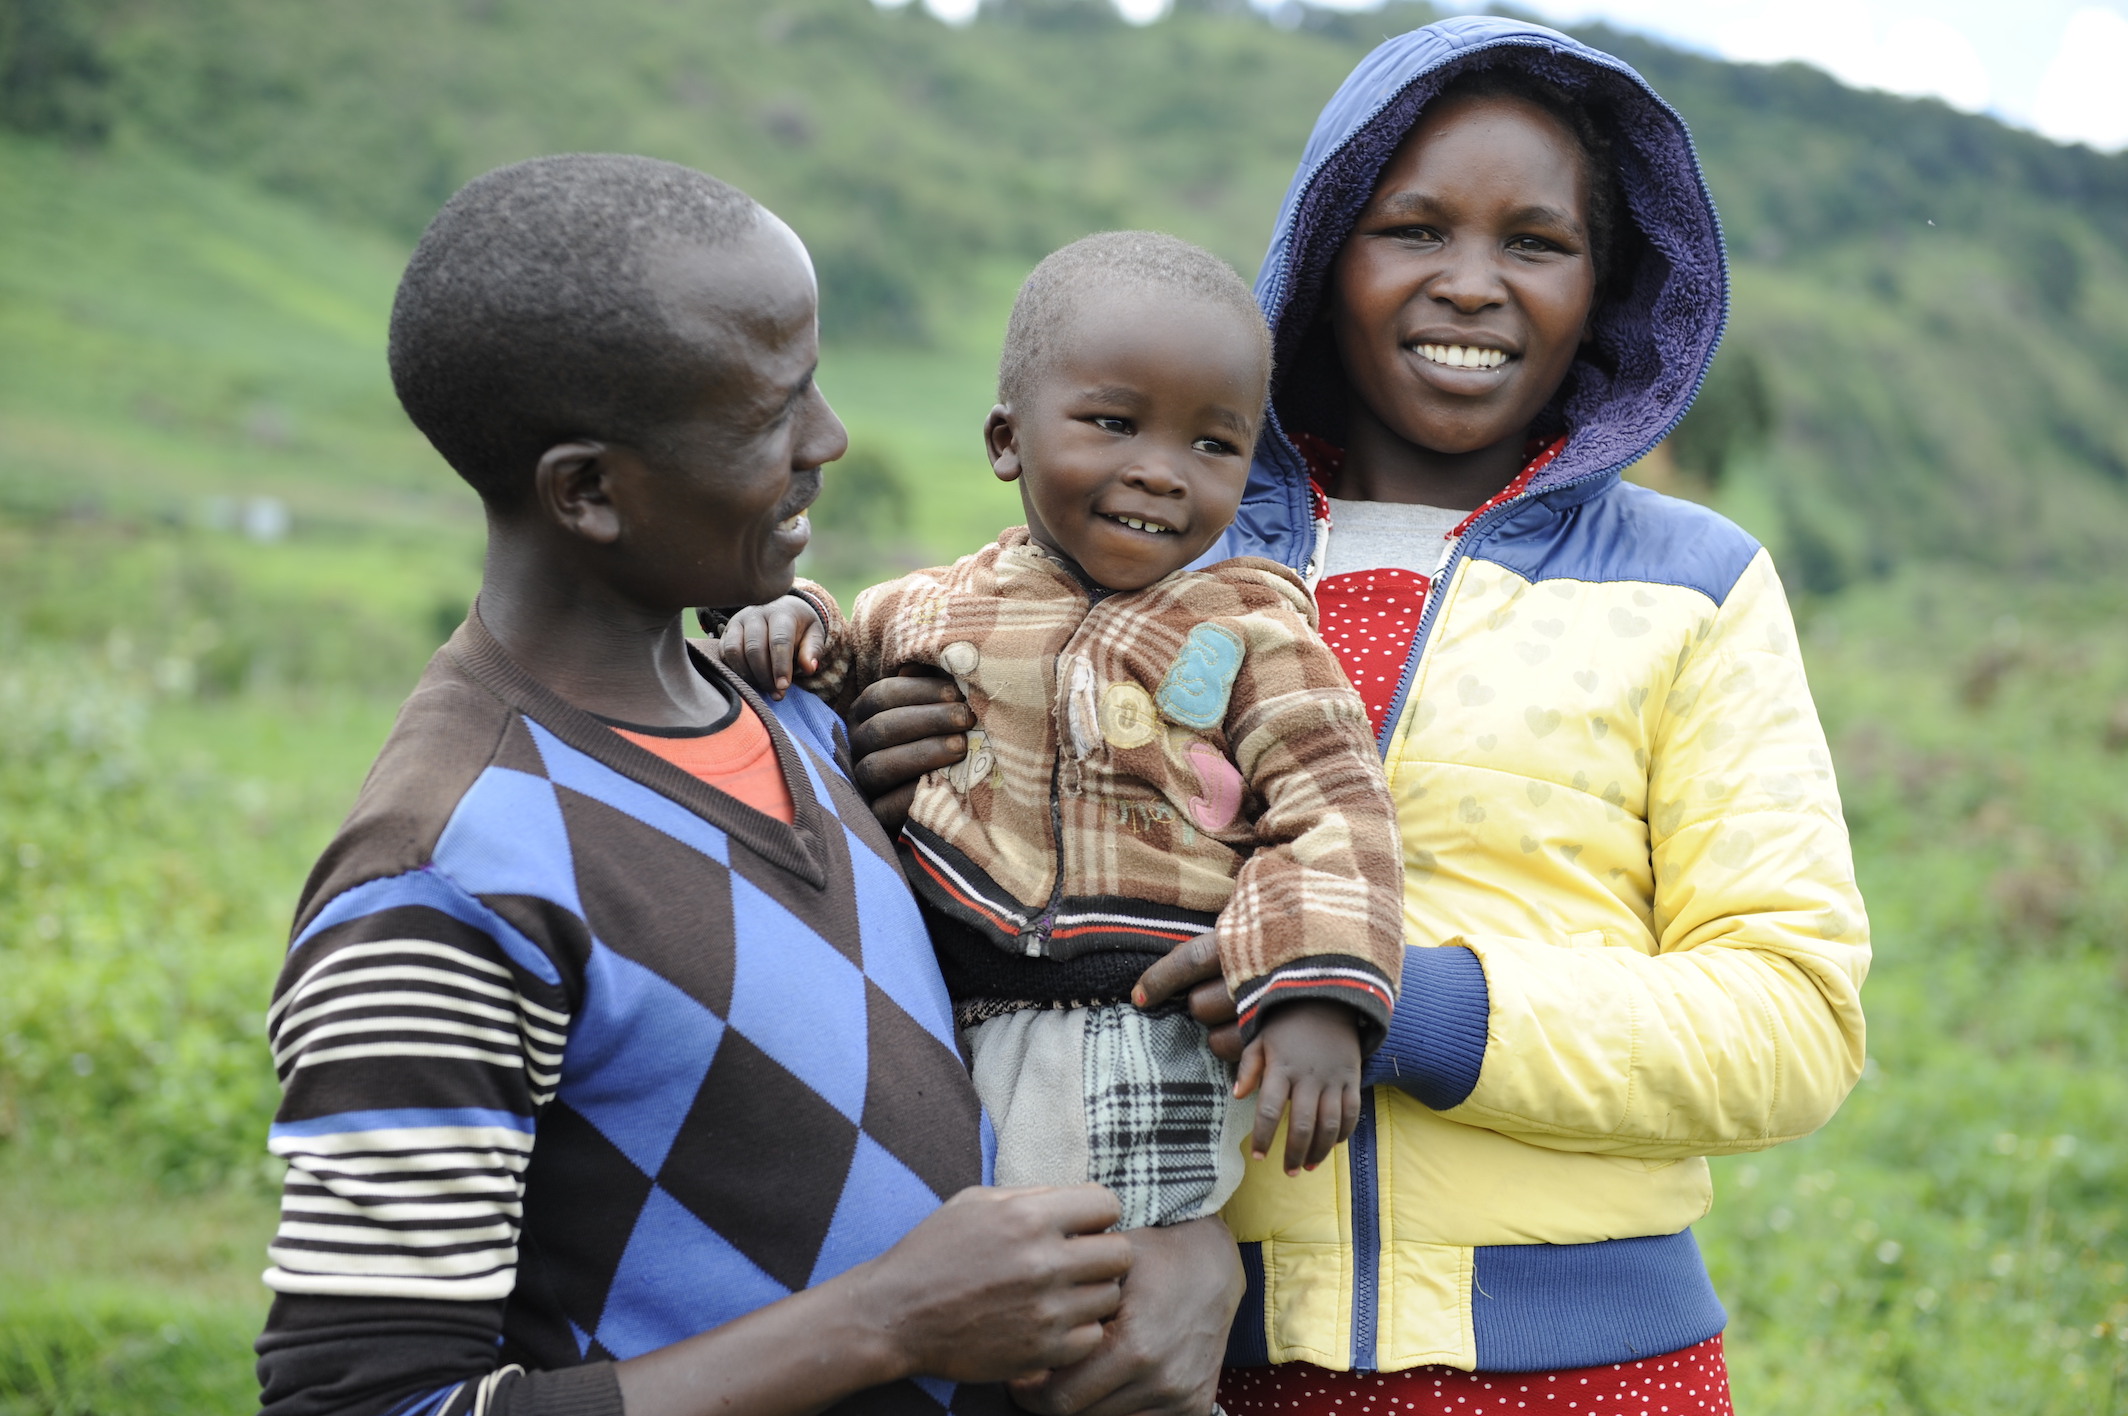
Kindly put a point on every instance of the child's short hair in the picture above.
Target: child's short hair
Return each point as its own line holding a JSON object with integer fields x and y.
{"x": 1109, "y": 261}
{"x": 526, "y": 316}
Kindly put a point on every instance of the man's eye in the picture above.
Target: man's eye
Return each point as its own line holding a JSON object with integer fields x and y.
{"x": 1216, "y": 447}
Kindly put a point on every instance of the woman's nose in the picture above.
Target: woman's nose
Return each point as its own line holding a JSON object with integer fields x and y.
{"x": 1467, "y": 280}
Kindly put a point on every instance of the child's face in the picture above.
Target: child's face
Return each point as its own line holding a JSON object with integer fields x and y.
{"x": 711, "y": 510}
{"x": 1465, "y": 289}
{"x": 1132, "y": 444}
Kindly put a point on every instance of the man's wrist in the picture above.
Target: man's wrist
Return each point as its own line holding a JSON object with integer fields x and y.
{"x": 862, "y": 1325}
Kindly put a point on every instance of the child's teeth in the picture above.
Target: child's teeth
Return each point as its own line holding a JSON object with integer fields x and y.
{"x": 1462, "y": 356}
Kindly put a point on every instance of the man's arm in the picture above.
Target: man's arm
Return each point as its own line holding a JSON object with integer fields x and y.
{"x": 418, "y": 1052}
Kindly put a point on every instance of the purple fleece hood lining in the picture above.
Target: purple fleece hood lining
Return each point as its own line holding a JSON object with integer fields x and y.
{"x": 1660, "y": 328}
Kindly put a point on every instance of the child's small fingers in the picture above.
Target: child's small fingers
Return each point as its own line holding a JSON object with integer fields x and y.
{"x": 1300, "y": 1129}
{"x": 1251, "y": 1071}
{"x": 781, "y": 649}
{"x": 1270, "y": 1105}
{"x": 1354, "y": 1100}
{"x": 809, "y": 647}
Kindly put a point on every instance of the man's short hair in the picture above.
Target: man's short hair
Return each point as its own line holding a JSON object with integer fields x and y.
{"x": 527, "y": 315}
{"x": 1102, "y": 264}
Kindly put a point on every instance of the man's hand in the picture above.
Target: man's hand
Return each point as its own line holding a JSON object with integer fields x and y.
{"x": 1191, "y": 968}
{"x": 762, "y": 643}
{"x": 901, "y": 728}
{"x": 1162, "y": 1352}
{"x": 996, "y": 1284}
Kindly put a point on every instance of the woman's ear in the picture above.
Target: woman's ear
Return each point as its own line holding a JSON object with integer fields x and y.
{"x": 570, "y": 488}
{"x": 1001, "y": 440}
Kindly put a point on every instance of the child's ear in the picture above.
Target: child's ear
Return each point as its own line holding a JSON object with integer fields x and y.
{"x": 1002, "y": 441}
{"x": 570, "y": 488}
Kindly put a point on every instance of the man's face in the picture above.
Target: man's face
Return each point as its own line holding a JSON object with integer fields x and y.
{"x": 1132, "y": 442}
{"x": 1464, "y": 291}
{"x": 712, "y": 506}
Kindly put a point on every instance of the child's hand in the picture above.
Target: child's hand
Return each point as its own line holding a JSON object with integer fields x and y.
{"x": 1307, "y": 1053}
{"x": 763, "y": 642}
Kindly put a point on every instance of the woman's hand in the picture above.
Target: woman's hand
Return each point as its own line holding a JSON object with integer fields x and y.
{"x": 763, "y": 643}
{"x": 1192, "y": 968}
{"x": 901, "y": 728}
{"x": 1161, "y": 1353}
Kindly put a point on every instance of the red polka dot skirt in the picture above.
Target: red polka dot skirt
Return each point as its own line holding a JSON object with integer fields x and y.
{"x": 1691, "y": 1382}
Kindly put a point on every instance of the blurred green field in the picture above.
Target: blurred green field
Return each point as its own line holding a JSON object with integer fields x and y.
{"x": 223, "y": 557}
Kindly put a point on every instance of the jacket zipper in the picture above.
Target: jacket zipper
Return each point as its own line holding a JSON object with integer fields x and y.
{"x": 1038, "y": 945}
{"x": 1361, "y": 1150}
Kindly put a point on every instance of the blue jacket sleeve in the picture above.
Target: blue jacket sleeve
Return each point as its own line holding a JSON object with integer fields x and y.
{"x": 1436, "y": 1042}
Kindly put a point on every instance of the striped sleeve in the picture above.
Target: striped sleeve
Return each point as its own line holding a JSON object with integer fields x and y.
{"x": 417, "y": 1035}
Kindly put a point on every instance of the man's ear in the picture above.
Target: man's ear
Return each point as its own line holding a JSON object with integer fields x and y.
{"x": 1002, "y": 441}
{"x": 570, "y": 488}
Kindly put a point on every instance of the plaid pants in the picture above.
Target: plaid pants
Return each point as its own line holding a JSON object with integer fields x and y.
{"x": 1134, "y": 1102}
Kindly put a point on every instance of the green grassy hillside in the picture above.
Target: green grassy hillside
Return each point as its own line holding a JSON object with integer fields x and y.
{"x": 223, "y": 555}
{"x": 1930, "y": 326}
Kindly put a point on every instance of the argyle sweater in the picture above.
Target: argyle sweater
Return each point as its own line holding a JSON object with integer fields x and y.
{"x": 581, "y": 1057}
{"x": 1145, "y": 766}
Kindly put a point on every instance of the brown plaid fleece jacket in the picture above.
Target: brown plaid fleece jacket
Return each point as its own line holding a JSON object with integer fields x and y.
{"x": 1146, "y": 766}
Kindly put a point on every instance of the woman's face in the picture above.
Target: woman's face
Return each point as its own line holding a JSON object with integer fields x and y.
{"x": 1464, "y": 290}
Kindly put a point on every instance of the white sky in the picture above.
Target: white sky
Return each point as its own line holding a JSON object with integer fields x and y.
{"x": 2057, "y": 66}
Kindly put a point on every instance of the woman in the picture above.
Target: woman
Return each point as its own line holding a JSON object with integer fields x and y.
{"x": 1635, "y": 937}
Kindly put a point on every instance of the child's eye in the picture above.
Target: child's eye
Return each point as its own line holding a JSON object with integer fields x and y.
{"x": 1530, "y": 245}
{"x": 1417, "y": 235}
{"x": 1108, "y": 424}
{"x": 1216, "y": 447}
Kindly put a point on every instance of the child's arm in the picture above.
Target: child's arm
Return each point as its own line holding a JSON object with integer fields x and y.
{"x": 803, "y": 637}
{"x": 1318, "y": 906}
{"x": 1307, "y": 1056}
{"x": 765, "y": 644}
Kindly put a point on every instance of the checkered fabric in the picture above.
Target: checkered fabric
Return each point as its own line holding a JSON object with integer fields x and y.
{"x": 576, "y": 1045}
{"x": 1143, "y": 765}
{"x": 1158, "y": 1111}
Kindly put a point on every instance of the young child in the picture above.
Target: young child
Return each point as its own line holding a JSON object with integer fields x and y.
{"x": 1160, "y": 751}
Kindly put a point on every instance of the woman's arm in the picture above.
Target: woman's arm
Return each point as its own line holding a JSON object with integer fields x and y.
{"x": 1744, "y": 1027}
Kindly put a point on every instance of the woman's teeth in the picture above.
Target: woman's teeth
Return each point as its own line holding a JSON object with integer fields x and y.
{"x": 1136, "y": 525}
{"x": 1462, "y": 356}
{"x": 793, "y": 524}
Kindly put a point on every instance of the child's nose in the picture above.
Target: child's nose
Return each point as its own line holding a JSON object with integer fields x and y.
{"x": 1157, "y": 475}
